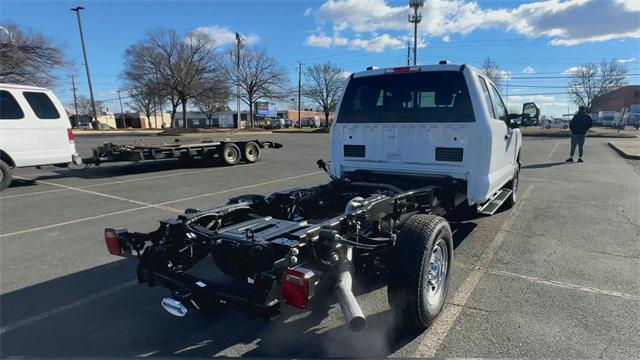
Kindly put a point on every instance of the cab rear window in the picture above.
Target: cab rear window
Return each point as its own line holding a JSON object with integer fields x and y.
{"x": 41, "y": 105}
{"x": 419, "y": 97}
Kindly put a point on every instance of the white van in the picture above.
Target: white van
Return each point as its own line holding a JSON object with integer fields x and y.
{"x": 34, "y": 130}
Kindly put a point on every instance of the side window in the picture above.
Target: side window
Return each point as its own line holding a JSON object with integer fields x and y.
{"x": 487, "y": 98}
{"x": 9, "y": 108}
{"x": 501, "y": 110}
{"x": 41, "y": 105}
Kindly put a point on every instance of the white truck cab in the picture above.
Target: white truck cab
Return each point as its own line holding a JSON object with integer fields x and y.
{"x": 34, "y": 130}
{"x": 429, "y": 120}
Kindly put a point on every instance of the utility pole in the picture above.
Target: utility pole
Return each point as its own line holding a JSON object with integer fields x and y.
{"x": 415, "y": 18}
{"x": 408, "y": 53}
{"x": 299, "y": 92}
{"x": 238, "y": 44}
{"x": 86, "y": 62}
{"x": 124, "y": 125}
{"x": 75, "y": 100}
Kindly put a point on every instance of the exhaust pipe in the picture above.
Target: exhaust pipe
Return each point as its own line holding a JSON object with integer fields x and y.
{"x": 348, "y": 304}
{"x": 174, "y": 307}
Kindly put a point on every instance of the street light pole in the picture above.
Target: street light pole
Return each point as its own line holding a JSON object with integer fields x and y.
{"x": 124, "y": 125}
{"x": 415, "y": 18}
{"x": 75, "y": 100}
{"x": 238, "y": 44}
{"x": 86, "y": 62}
{"x": 299, "y": 92}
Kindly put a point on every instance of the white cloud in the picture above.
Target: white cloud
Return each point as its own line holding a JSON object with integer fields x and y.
{"x": 308, "y": 11}
{"x": 320, "y": 40}
{"x": 627, "y": 61}
{"x": 221, "y": 35}
{"x": 572, "y": 70}
{"x": 566, "y": 23}
{"x": 345, "y": 74}
{"x": 377, "y": 44}
{"x": 528, "y": 70}
{"x": 446, "y": 38}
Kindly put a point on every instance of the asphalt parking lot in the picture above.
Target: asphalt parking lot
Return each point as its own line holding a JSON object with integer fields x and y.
{"x": 557, "y": 276}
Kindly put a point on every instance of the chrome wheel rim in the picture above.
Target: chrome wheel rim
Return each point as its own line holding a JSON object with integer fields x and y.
{"x": 251, "y": 153}
{"x": 437, "y": 272}
{"x": 514, "y": 188}
{"x": 231, "y": 154}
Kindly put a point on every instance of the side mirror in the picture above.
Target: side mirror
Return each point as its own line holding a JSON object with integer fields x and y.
{"x": 530, "y": 110}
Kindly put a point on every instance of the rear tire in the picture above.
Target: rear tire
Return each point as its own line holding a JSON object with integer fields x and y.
{"x": 6, "y": 175}
{"x": 513, "y": 184}
{"x": 420, "y": 271}
{"x": 251, "y": 152}
{"x": 231, "y": 154}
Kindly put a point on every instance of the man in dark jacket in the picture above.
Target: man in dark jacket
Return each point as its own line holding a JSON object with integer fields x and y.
{"x": 579, "y": 125}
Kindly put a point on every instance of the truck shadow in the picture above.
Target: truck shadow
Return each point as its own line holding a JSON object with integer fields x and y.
{"x": 122, "y": 169}
{"x": 103, "y": 312}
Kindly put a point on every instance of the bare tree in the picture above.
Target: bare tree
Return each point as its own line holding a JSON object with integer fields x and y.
{"x": 84, "y": 106}
{"x": 27, "y": 57}
{"x": 323, "y": 86}
{"x": 143, "y": 99}
{"x": 179, "y": 66}
{"x": 214, "y": 97}
{"x": 590, "y": 81}
{"x": 493, "y": 71}
{"x": 260, "y": 77}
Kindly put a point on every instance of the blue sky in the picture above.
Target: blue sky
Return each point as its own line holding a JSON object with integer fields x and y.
{"x": 529, "y": 39}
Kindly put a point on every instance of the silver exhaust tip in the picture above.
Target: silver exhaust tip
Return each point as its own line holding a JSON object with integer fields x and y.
{"x": 174, "y": 307}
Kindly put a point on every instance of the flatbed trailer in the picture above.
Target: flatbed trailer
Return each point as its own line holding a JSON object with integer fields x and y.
{"x": 231, "y": 152}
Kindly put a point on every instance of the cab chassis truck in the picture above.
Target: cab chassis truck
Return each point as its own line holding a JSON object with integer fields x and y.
{"x": 393, "y": 181}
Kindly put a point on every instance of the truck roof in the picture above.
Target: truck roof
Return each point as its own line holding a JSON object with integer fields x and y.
{"x": 21, "y": 87}
{"x": 412, "y": 68}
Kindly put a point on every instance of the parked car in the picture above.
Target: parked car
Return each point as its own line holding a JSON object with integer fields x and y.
{"x": 555, "y": 124}
{"x": 34, "y": 130}
{"x": 276, "y": 123}
{"x": 310, "y": 121}
{"x": 85, "y": 126}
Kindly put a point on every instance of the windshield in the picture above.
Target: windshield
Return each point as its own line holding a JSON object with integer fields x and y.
{"x": 420, "y": 97}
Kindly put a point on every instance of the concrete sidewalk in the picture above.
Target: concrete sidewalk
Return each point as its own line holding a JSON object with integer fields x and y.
{"x": 629, "y": 149}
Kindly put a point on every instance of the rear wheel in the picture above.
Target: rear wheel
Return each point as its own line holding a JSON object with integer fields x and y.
{"x": 513, "y": 185}
{"x": 231, "y": 154}
{"x": 6, "y": 175}
{"x": 420, "y": 272}
{"x": 251, "y": 152}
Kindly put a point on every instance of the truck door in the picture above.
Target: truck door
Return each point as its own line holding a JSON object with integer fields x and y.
{"x": 503, "y": 156}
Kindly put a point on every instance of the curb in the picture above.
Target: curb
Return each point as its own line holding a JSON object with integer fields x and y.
{"x": 622, "y": 153}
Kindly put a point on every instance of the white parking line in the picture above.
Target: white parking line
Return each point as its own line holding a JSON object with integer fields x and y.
{"x": 72, "y": 221}
{"x": 114, "y": 197}
{"x": 554, "y": 149}
{"x": 123, "y": 181}
{"x": 565, "y": 285}
{"x": 60, "y": 309}
{"x": 160, "y": 205}
{"x": 433, "y": 338}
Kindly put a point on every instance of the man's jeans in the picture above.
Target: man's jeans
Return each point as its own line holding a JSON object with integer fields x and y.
{"x": 577, "y": 140}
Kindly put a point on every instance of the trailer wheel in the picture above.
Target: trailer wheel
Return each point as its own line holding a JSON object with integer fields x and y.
{"x": 6, "y": 175}
{"x": 420, "y": 271}
{"x": 251, "y": 152}
{"x": 231, "y": 154}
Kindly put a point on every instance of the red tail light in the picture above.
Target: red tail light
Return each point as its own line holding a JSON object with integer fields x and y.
{"x": 111, "y": 238}
{"x": 298, "y": 287}
{"x": 70, "y": 135}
